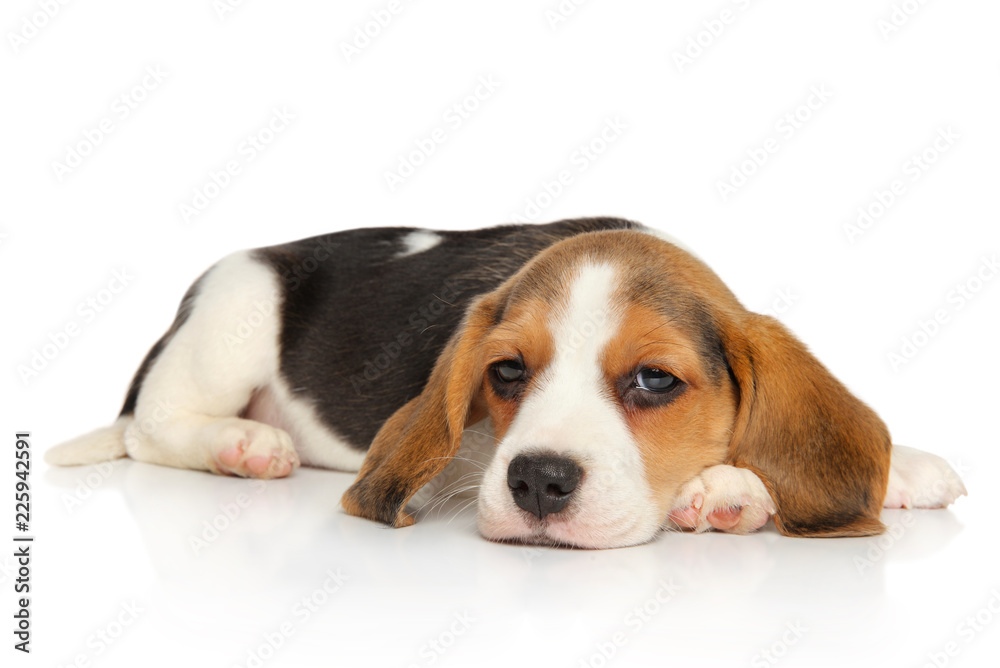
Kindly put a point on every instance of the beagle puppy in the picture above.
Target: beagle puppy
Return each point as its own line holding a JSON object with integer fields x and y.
{"x": 626, "y": 387}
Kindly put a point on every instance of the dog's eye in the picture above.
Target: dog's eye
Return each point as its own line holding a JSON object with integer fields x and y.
{"x": 654, "y": 380}
{"x": 509, "y": 371}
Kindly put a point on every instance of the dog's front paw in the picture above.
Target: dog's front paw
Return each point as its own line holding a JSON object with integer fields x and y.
{"x": 723, "y": 497}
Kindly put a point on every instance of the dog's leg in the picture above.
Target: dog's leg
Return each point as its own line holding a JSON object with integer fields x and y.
{"x": 919, "y": 479}
{"x": 188, "y": 411}
{"x": 723, "y": 497}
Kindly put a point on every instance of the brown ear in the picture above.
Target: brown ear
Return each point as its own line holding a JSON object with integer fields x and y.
{"x": 822, "y": 453}
{"x": 418, "y": 440}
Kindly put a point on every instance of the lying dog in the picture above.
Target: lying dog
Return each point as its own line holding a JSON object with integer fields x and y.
{"x": 627, "y": 387}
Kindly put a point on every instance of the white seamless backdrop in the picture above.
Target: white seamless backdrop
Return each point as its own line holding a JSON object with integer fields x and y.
{"x": 836, "y": 164}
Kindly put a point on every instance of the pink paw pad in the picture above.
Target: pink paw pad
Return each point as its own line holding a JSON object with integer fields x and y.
{"x": 687, "y": 518}
{"x": 230, "y": 457}
{"x": 725, "y": 518}
{"x": 259, "y": 451}
{"x": 260, "y": 465}
{"x": 725, "y": 498}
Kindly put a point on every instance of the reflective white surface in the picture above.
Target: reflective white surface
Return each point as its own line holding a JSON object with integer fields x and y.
{"x": 222, "y": 569}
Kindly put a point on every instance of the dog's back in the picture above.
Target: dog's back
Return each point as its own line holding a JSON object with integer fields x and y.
{"x": 325, "y": 337}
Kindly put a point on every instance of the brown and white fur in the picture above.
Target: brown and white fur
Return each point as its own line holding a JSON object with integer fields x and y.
{"x": 627, "y": 388}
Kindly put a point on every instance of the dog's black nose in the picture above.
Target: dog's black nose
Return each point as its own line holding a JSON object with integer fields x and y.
{"x": 542, "y": 484}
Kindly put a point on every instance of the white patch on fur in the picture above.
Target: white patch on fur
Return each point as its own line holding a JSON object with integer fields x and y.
{"x": 222, "y": 360}
{"x": 919, "y": 479}
{"x": 226, "y": 349}
{"x": 316, "y": 443}
{"x": 723, "y": 486}
{"x": 418, "y": 241}
{"x": 568, "y": 412}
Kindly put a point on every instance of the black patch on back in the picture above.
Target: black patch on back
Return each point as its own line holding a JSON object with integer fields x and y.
{"x": 362, "y": 328}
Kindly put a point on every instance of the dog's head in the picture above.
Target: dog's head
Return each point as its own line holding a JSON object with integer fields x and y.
{"x": 615, "y": 367}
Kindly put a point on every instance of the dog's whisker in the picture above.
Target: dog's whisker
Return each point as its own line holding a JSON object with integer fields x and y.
{"x": 461, "y": 510}
{"x": 442, "y": 497}
{"x": 453, "y": 489}
{"x": 483, "y": 433}
{"x": 481, "y": 465}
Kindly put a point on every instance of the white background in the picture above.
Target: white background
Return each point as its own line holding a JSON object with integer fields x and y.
{"x": 109, "y": 541}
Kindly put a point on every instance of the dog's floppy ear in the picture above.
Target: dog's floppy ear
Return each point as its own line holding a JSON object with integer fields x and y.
{"x": 418, "y": 440}
{"x": 822, "y": 453}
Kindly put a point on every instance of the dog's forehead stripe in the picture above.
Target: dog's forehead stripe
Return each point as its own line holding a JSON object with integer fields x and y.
{"x": 581, "y": 325}
{"x": 588, "y": 320}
